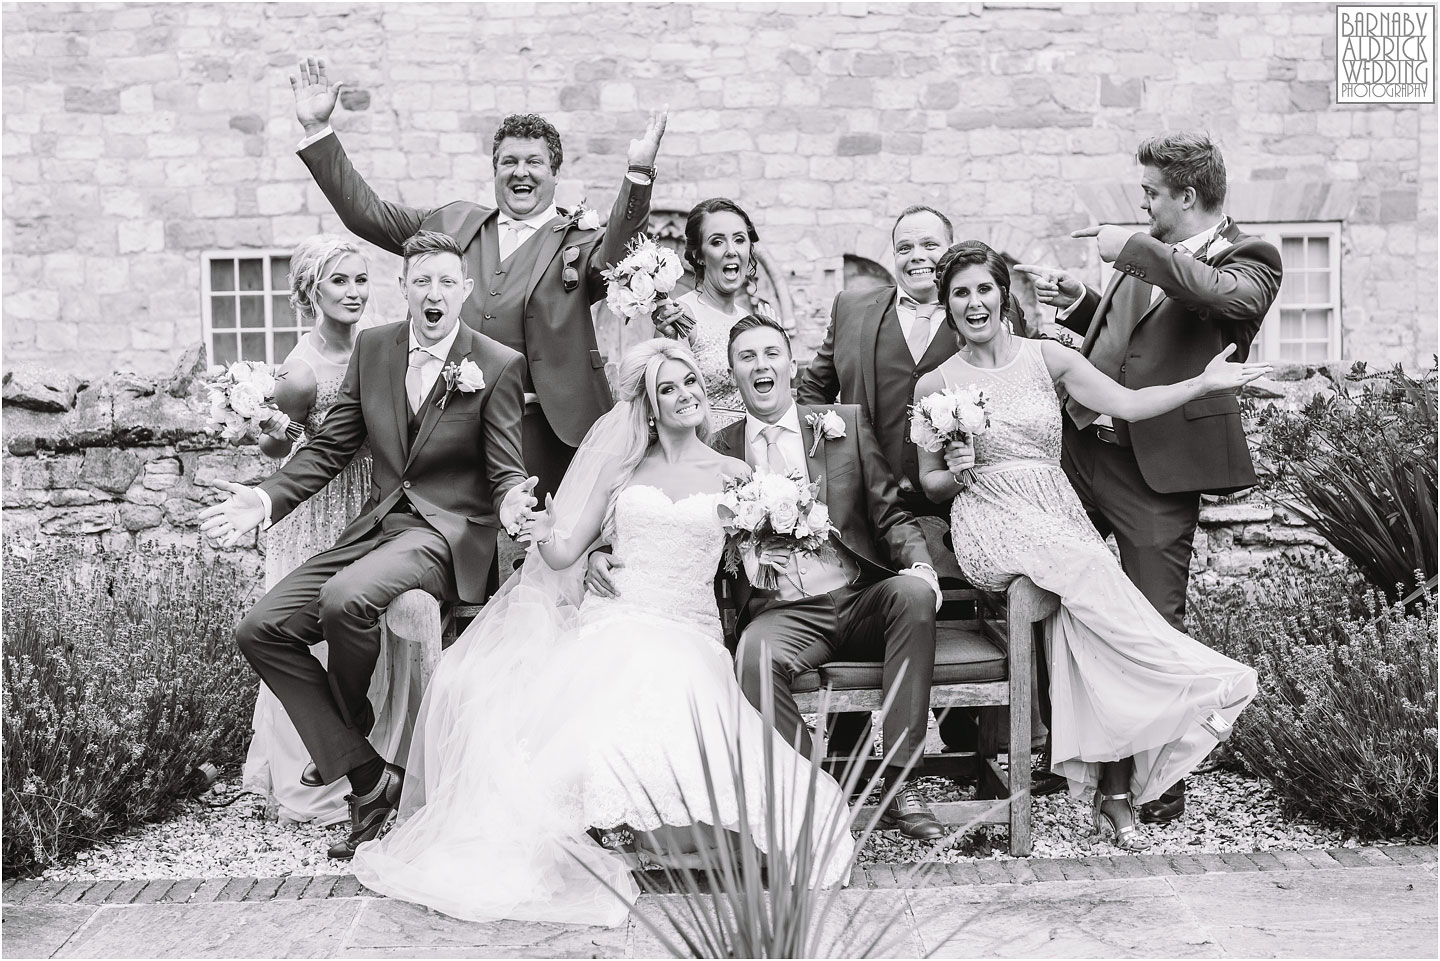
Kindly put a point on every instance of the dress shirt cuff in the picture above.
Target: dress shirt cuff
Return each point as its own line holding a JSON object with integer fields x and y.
{"x": 927, "y": 574}
{"x": 1064, "y": 312}
{"x": 266, "y": 524}
{"x": 639, "y": 179}
{"x": 314, "y": 138}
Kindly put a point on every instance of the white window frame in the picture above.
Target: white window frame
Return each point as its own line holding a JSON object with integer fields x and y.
{"x": 273, "y": 286}
{"x": 1267, "y": 342}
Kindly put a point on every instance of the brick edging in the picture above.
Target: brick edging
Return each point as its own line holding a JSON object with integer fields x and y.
{"x": 925, "y": 875}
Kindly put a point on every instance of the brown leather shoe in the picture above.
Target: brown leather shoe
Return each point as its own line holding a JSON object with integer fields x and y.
{"x": 372, "y": 815}
{"x": 1168, "y": 807}
{"x": 310, "y": 776}
{"x": 912, "y": 817}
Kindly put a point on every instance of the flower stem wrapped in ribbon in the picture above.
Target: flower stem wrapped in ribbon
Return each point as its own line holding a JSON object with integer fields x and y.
{"x": 242, "y": 400}
{"x": 644, "y": 277}
{"x": 768, "y": 512}
{"x": 952, "y": 415}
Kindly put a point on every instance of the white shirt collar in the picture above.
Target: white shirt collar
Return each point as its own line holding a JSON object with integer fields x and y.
{"x": 790, "y": 420}
{"x": 1192, "y": 245}
{"x": 440, "y": 350}
{"x": 534, "y": 222}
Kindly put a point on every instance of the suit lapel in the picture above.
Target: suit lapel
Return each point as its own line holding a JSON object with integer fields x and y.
{"x": 1101, "y": 310}
{"x": 869, "y": 337}
{"x": 550, "y": 241}
{"x": 815, "y": 458}
{"x": 399, "y": 364}
{"x": 431, "y": 410}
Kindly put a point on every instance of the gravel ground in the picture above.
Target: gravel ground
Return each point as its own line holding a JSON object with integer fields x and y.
{"x": 1226, "y": 812}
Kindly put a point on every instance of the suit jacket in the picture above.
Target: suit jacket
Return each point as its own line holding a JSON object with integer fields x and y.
{"x": 564, "y": 357}
{"x": 1207, "y": 303}
{"x": 859, "y": 491}
{"x": 462, "y": 462}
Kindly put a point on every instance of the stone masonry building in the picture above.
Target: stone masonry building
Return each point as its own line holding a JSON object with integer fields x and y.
{"x": 151, "y": 190}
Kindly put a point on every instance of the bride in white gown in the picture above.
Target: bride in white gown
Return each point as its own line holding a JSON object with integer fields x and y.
{"x": 556, "y": 712}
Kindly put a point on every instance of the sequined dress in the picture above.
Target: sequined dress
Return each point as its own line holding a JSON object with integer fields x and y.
{"x": 710, "y": 343}
{"x": 1123, "y": 681}
{"x": 277, "y": 755}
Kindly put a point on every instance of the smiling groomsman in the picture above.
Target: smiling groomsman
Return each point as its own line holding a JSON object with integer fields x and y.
{"x": 537, "y": 269}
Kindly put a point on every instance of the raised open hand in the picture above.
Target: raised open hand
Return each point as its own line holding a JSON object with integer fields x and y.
{"x": 644, "y": 151}
{"x": 315, "y": 95}
{"x": 239, "y": 514}
{"x": 1220, "y": 374}
{"x": 1053, "y": 286}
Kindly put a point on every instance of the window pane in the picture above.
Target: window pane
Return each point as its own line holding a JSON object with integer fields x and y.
{"x": 280, "y": 313}
{"x": 252, "y": 347}
{"x": 1292, "y": 251}
{"x": 1316, "y": 352}
{"x": 1318, "y": 251}
{"x": 1319, "y": 287}
{"x": 1289, "y": 350}
{"x": 279, "y": 273}
{"x": 252, "y": 275}
{"x": 252, "y": 311}
{"x": 1290, "y": 328}
{"x": 224, "y": 352}
{"x": 1317, "y": 325}
{"x": 285, "y": 341}
{"x": 222, "y": 312}
{"x": 1291, "y": 288}
{"x": 222, "y": 275}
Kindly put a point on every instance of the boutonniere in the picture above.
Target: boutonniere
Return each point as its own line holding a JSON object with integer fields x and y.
{"x": 582, "y": 217}
{"x": 827, "y": 426}
{"x": 464, "y": 377}
{"x": 1215, "y": 246}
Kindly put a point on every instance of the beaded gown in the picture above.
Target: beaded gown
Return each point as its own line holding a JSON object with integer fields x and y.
{"x": 277, "y": 755}
{"x": 540, "y": 725}
{"x": 1123, "y": 681}
{"x": 710, "y": 343}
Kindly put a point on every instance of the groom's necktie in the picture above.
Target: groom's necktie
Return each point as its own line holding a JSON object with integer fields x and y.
{"x": 919, "y": 339}
{"x": 774, "y": 456}
{"x": 414, "y": 377}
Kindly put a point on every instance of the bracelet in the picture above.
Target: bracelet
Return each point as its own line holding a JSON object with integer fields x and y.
{"x": 648, "y": 170}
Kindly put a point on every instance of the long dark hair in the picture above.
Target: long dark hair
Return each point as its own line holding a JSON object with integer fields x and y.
{"x": 695, "y": 220}
{"x": 975, "y": 253}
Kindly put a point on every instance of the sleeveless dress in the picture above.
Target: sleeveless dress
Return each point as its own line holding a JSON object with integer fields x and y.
{"x": 1123, "y": 682}
{"x": 277, "y": 755}
{"x": 526, "y": 742}
{"x": 710, "y": 343}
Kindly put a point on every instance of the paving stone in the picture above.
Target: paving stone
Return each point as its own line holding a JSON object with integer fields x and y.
{"x": 9, "y": 883}
{"x": 1292, "y": 860}
{"x": 1320, "y": 859}
{"x": 1265, "y": 861}
{"x": 882, "y": 876}
{"x": 1156, "y": 865}
{"x": 72, "y": 892}
{"x": 235, "y": 889}
{"x": 154, "y": 891}
{"x": 1348, "y": 857}
{"x": 98, "y": 893}
{"x": 319, "y": 887}
{"x": 963, "y": 872}
{"x": 1019, "y": 871}
{"x": 291, "y": 888}
{"x": 39, "y": 930}
{"x": 1185, "y": 864}
{"x": 1047, "y": 870}
{"x": 1129, "y": 867}
{"x": 1211, "y": 863}
{"x": 221, "y": 929}
{"x": 209, "y": 890}
{"x": 1100, "y": 866}
{"x": 42, "y": 892}
{"x": 264, "y": 889}
{"x": 1074, "y": 869}
{"x": 181, "y": 890}
{"x": 384, "y": 922}
{"x": 126, "y": 892}
{"x": 991, "y": 872}
{"x": 1410, "y": 854}
{"x": 348, "y": 886}
{"x": 923, "y": 876}
{"x": 1375, "y": 857}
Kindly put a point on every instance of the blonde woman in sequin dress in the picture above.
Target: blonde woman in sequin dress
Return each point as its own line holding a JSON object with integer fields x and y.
{"x": 1133, "y": 699}
{"x": 329, "y": 288}
{"x": 720, "y": 249}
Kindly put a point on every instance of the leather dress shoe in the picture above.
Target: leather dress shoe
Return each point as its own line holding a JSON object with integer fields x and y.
{"x": 372, "y": 814}
{"x": 912, "y": 817}
{"x": 310, "y": 777}
{"x": 1168, "y": 807}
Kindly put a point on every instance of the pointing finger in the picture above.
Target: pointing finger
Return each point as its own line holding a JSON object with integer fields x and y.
{"x": 1086, "y": 232}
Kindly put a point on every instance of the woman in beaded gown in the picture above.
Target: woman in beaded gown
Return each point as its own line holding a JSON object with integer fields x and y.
{"x": 720, "y": 249}
{"x": 1132, "y": 698}
{"x": 329, "y": 288}
{"x": 557, "y": 711}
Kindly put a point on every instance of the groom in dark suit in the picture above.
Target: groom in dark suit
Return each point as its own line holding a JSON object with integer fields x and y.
{"x": 876, "y": 601}
{"x": 537, "y": 269}
{"x": 440, "y": 406}
{"x": 1182, "y": 291}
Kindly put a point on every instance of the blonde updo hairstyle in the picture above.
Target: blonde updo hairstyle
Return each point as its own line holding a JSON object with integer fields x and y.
{"x": 308, "y": 264}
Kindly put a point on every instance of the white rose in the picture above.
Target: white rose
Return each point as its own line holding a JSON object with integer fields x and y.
{"x": 832, "y": 426}
{"x": 263, "y": 381}
{"x": 973, "y": 419}
{"x": 239, "y": 372}
{"x": 749, "y": 514}
{"x": 819, "y": 517}
{"x": 642, "y": 286}
{"x": 646, "y": 258}
{"x": 669, "y": 272}
{"x": 588, "y": 220}
{"x": 469, "y": 378}
{"x": 922, "y": 435}
{"x": 783, "y": 516}
{"x": 246, "y": 400}
{"x": 943, "y": 419}
{"x": 621, "y": 301}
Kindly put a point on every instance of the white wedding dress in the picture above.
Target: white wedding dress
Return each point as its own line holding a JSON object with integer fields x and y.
{"x": 567, "y": 712}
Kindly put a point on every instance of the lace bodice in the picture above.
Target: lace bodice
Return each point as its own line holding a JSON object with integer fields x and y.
{"x": 329, "y": 375}
{"x": 671, "y": 552}
{"x": 1024, "y": 408}
{"x": 710, "y": 343}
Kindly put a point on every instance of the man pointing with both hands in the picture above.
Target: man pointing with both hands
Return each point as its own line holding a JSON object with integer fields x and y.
{"x": 1182, "y": 291}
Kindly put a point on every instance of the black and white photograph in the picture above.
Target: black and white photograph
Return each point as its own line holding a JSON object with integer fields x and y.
{"x": 719, "y": 479}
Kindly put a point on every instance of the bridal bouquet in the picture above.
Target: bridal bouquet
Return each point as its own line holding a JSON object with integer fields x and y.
{"x": 772, "y": 511}
{"x": 643, "y": 278}
{"x": 953, "y": 414}
{"x": 242, "y": 399}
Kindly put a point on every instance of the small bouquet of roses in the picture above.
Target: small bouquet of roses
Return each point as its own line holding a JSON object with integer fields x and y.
{"x": 242, "y": 400}
{"x": 769, "y": 511}
{"x": 953, "y": 414}
{"x": 643, "y": 278}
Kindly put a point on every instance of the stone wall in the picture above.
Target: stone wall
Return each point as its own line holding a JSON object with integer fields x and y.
{"x": 125, "y": 462}
{"x": 137, "y": 136}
